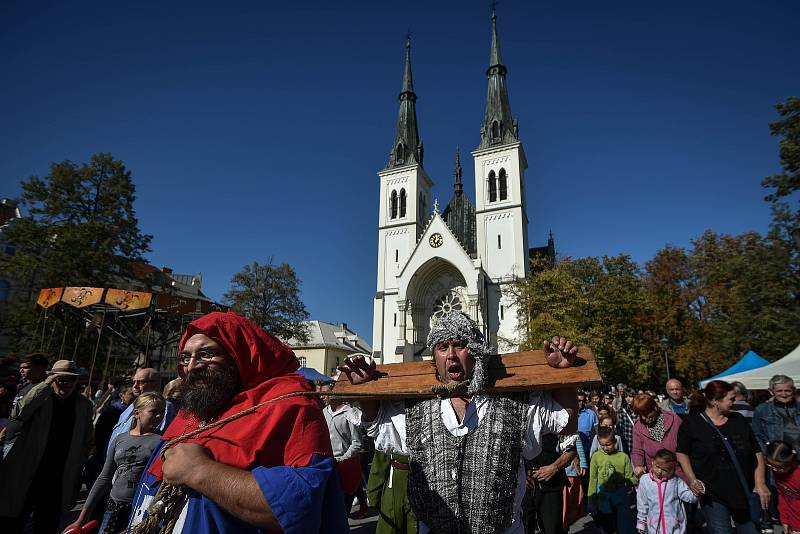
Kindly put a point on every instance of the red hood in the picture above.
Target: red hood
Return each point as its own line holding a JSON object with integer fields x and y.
{"x": 259, "y": 355}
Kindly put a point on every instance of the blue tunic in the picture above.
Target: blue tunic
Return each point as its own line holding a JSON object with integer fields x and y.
{"x": 305, "y": 500}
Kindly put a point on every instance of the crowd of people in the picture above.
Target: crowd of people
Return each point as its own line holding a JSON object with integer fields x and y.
{"x": 240, "y": 442}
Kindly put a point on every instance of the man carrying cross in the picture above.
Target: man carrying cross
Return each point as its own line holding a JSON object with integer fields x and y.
{"x": 252, "y": 452}
{"x": 465, "y": 471}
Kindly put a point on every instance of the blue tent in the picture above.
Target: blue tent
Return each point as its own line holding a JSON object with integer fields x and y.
{"x": 313, "y": 375}
{"x": 749, "y": 361}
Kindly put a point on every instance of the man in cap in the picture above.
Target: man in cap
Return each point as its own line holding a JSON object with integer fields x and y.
{"x": 465, "y": 472}
{"x": 47, "y": 444}
{"x": 269, "y": 469}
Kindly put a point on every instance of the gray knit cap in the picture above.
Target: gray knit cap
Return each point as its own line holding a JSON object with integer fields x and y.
{"x": 458, "y": 325}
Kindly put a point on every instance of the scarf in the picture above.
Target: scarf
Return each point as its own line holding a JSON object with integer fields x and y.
{"x": 657, "y": 430}
{"x": 287, "y": 433}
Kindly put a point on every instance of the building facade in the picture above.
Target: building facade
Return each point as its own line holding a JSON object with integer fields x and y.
{"x": 465, "y": 257}
{"x": 327, "y": 346}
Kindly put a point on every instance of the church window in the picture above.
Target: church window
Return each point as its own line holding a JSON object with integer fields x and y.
{"x": 396, "y": 255}
{"x": 302, "y": 360}
{"x": 402, "y": 203}
{"x": 393, "y": 205}
{"x": 503, "y": 180}
{"x": 446, "y": 303}
{"x": 395, "y": 319}
{"x": 496, "y": 132}
{"x": 499, "y": 242}
{"x": 492, "y": 187}
{"x": 400, "y": 153}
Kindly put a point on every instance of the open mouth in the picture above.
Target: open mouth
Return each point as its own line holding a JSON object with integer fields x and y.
{"x": 455, "y": 372}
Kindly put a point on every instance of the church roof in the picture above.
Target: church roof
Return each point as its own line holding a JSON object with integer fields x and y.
{"x": 499, "y": 127}
{"x": 407, "y": 149}
{"x": 460, "y": 214}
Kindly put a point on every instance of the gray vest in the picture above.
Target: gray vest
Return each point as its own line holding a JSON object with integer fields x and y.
{"x": 465, "y": 484}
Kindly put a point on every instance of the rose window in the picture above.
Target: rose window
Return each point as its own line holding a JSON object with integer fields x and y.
{"x": 445, "y": 304}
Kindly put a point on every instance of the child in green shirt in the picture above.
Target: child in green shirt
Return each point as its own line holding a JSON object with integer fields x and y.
{"x": 610, "y": 475}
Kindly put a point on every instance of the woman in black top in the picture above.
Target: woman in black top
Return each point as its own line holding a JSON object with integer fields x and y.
{"x": 708, "y": 467}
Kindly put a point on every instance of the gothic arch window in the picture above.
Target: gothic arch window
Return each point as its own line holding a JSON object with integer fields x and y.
{"x": 402, "y": 203}
{"x": 400, "y": 153}
{"x": 492, "y": 187}
{"x": 448, "y": 302}
{"x": 302, "y": 360}
{"x": 496, "y": 132}
{"x": 393, "y": 205}
{"x": 503, "y": 179}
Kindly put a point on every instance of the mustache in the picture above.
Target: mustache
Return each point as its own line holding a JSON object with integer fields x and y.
{"x": 206, "y": 392}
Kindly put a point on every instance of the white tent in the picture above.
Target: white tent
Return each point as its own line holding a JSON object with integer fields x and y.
{"x": 789, "y": 365}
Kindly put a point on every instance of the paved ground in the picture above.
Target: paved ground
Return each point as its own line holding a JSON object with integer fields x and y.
{"x": 585, "y": 525}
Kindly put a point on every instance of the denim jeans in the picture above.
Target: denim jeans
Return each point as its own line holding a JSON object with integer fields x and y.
{"x": 718, "y": 519}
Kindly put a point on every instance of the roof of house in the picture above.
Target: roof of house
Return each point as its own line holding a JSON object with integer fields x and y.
{"x": 327, "y": 335}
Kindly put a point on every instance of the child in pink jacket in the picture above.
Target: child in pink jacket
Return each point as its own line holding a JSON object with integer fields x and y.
{"x": 660, "y": 497}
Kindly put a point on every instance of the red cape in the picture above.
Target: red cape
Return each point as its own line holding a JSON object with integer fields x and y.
{"x": 287, "y": 432}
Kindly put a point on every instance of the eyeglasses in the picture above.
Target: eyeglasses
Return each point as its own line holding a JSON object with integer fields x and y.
{"x": 204, "y": 356}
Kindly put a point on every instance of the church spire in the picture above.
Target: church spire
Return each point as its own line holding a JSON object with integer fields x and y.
{"x": 459, "y": 187}
{"x": 498, "y": 125}
{"x": 407, "y": 147}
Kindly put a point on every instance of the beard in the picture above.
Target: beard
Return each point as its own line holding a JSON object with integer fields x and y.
{"x": 207, "y": 392}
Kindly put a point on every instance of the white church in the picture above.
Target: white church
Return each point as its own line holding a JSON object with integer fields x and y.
{"x": 462, "y": 257}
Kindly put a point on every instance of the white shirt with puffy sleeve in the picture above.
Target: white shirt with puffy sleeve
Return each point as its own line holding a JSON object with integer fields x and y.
{"x": 544, "y": 416}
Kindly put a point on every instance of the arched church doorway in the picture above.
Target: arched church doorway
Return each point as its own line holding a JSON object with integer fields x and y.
{"x": 435, "y": 289}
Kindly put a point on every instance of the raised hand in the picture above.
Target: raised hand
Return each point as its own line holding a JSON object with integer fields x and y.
{"x": 358, "y": 369}
{"x": 560, "y": 352}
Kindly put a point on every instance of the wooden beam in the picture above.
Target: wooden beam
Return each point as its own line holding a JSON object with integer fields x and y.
{"x": 517, "y": 371}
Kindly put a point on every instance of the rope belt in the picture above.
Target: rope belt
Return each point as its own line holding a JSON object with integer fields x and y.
{"x": 169, "y": 500}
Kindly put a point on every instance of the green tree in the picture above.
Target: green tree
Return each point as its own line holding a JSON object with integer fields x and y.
{"x": 269, "y": 295}
{"x": 787, "y": 182}
{"x": 550, "y": 301}
{"x": 749, "y": 292}
{"x": 596, "y": 302}
{"x": 78, "y": 228}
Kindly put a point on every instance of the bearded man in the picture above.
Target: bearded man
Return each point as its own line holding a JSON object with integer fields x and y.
{"x": 465, "y": 472}
{"x": 270, "y": 470}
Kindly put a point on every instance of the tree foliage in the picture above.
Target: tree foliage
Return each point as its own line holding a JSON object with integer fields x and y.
{"x": 78, "y": 227}
{"x": 711, "y": 304}
{"x": 79, "y": 224}
{"x": 269, "y": 295}
{"x": 788, "y": 128}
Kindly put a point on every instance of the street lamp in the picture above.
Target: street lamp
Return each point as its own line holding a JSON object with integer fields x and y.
{"x": 664, "y": 345}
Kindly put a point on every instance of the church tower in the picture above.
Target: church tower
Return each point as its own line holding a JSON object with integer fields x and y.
{"x": 404, "y": 212}
{"x": 501, "y": 214}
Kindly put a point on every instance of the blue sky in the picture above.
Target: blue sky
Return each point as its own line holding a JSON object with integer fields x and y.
{"x": 255, "y": 129}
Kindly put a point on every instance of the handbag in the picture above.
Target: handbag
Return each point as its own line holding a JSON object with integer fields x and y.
{"x": 753, "y": 500}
